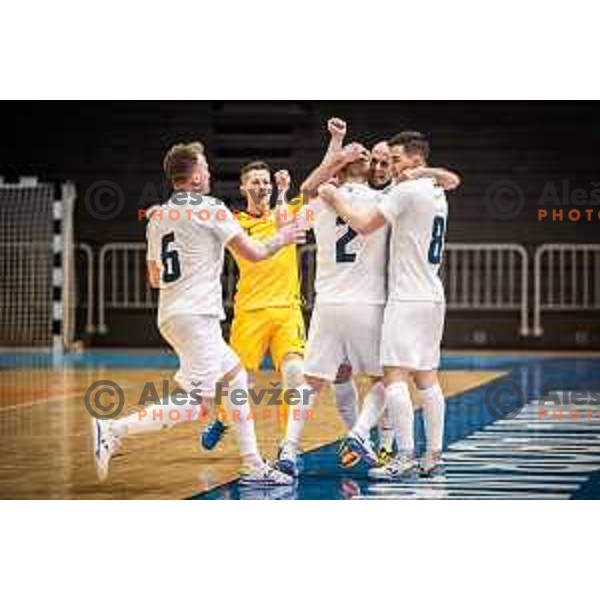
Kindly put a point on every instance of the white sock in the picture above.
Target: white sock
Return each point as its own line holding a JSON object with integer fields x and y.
{"x": 154, "y": 417}
{"x": 433, "y": 415}
{"x": 295, "y": 425}
{"x": 292, "y": 373}
{"x": 400, "y": 408}
{"x": 346, "y": 400}
{"x": 371, "y": 411}
{"x": 386, "y": 431}
{"x": 244, "y": 427}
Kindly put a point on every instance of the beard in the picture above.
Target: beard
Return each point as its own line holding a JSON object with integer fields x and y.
{"x": 380, "y": 186}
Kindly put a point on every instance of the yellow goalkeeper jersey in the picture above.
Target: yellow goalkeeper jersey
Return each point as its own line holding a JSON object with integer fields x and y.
{"x": 269, "y": 283}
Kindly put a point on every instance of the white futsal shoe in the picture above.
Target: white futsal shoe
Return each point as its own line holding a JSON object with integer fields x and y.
{"x": 398, "y": 469}
{"x": 105, "y": 445}
{"x": 265, "y": 476}
{"x": 432, "y": 465}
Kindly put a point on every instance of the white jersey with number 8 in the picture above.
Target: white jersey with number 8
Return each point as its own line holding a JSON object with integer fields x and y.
{"x": 417, "y": 212}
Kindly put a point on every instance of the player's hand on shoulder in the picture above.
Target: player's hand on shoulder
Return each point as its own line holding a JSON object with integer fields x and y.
{"x": 352, "y": 152}
{"x": 337, "y": 128}
{"x": 416, "y": 173}
{"x": 327, "y": 192}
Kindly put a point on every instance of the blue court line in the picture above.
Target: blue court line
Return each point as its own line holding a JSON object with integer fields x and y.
{"x": 466, "y": 413}
{"x": 107, "y": 359}
{"x": 163, "y": 358}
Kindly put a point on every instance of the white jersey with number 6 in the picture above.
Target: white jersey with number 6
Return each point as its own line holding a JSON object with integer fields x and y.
{"x": 417, "y": 212}
{"x": 351, "y": 268}
{"x": 188, "y": 240}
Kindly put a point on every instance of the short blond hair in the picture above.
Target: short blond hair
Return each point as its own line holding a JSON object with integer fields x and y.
{"x": 257, "y": 165}
{"x": 181, "y": 160}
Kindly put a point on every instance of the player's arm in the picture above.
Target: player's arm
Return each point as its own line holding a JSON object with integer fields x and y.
{"x": 363, "y": 221}
{"x": 337, "y": 131}
{"x": 284, "y": 209}
{"x": 329, "y": 168}
{"x": 244, "y": 246}
{"x": 332, "y": 162}
{"x": 282, "y": 182}
{"x": 444, "y": 178}
{"x": 153, "y": 273}
{"x": 153, "y": 252}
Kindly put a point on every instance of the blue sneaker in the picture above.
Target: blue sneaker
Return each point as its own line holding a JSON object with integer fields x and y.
{"x": 354, "y": 449}
{"x": 287, "y": 460}
{"x": 212, "y": 435}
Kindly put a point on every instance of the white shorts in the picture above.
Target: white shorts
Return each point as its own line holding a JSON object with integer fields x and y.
{"x": 412, "y": 335}
{"x": 204, "y": 356}
{"x": 344, "y": 333}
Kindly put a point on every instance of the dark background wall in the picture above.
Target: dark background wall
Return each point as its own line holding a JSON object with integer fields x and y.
{"x": 532, "y": 144}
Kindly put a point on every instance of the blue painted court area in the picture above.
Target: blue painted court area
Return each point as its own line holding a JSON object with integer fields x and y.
{"x": 499, "y": 443}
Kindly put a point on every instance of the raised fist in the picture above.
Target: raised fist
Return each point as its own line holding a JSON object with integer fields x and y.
{"x": 282, "y": 180}
{"x": 336, "y": 128}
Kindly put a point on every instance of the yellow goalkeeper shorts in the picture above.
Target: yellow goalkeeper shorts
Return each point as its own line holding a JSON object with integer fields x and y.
{"x": 278, "y": 331}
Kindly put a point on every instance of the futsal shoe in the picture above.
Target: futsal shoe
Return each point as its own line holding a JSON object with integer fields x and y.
{"x": 265, "y": 476}
{"x": 349, "y": 489}
{"x": 400, "y": 468}
{"x": 105, "y": 445}
{"x": 213, "y": 434}
{"x": 273, "y": 492}
{"x": 384, "y": 456}
{"x": 354, "y": 449}
{"x": 287, "y": 460}
{"x": 431, "y": 465}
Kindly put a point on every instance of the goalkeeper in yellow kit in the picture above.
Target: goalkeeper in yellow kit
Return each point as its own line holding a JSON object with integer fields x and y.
{"x": 267, "y": 307}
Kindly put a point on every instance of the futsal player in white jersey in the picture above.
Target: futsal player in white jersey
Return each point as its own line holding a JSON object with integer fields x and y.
{"x": 350, "y": 290}
{"x": 413, "y": 325}
{"x": 380, "y": 178}
{"x": 186, "y": 241}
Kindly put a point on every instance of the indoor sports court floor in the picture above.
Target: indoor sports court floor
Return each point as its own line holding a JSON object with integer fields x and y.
{"x": 45, "y": 437}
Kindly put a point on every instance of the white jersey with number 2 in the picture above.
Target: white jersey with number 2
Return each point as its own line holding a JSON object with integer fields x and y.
{"x": 351, "y": 268}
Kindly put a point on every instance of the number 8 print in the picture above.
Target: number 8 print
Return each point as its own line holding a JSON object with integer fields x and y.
{"x": 436, "y": 246}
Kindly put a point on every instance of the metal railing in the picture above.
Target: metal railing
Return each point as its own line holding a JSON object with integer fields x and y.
{"x": 85, "y": 251}
{"x": 566, "y": 278}
{"x": 487, "y": 277}
{"x": 478, "y": 277}
{"x": 122, "y": 280}
{"x": 482, "y": 277}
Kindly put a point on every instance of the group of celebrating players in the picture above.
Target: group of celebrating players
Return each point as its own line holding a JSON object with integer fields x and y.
{"x": 379, "y": 220}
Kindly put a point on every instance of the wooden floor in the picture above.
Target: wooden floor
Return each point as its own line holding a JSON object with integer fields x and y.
{"x": 46, "y": 442}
